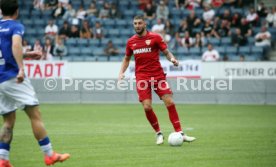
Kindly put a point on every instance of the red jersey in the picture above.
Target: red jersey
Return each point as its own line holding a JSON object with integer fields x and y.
{"x": 146, "y": 53}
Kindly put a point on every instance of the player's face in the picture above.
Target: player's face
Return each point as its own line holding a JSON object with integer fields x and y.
{"x": 139, "y": 26}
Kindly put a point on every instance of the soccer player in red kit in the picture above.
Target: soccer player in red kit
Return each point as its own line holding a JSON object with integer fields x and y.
{"x": 145, "y": 47}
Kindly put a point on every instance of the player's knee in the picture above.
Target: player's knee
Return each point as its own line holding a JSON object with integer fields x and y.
{"x": 169, "y": 102}
{"x": 147, "y": 107}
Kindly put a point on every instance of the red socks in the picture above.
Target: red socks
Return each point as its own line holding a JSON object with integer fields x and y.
{"x": 153, "y": 120}
{"x": 174, "y": 118}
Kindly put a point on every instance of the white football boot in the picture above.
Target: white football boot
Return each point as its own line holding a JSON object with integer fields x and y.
{"x": 159, "y": 138}
{"x": 188, "y": 138}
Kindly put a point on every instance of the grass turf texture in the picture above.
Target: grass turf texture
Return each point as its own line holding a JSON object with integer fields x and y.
{"x": 120, "y": 136}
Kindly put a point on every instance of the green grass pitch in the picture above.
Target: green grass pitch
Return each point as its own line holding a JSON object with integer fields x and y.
{"x": 120, "y": 136}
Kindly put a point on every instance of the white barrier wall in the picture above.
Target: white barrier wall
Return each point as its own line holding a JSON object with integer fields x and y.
{"x": 188, "y": 69}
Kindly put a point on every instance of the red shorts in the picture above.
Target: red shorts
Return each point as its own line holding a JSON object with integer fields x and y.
{"x": 144, "y": 88}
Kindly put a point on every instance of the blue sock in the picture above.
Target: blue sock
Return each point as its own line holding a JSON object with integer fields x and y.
{"x": 46, "y": 146}
{"x": 4, "y": 151}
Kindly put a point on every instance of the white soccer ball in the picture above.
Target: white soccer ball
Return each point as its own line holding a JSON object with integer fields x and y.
{"x": 175, "y": 139}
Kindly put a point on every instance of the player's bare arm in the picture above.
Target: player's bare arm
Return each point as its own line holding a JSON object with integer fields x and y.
{"x": 171, "y": 57}
{"x": 124, "y": 66}
{"x": 17, "y": 51}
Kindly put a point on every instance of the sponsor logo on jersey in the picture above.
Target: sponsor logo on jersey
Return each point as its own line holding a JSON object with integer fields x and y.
{"x": 142, "y": 50}
{"x": 4, "y": 29}
{"x": 148, "y": 42}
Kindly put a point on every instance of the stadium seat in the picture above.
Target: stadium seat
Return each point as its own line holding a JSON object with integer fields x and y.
{"x": 93, "y": 42}
{"x": 126, "y": 32}
{"x": 113, "y": 33}
{"x": 230, "y": 50}
{"x": 121, "y": 24}
{"x": 109, "y": 23}
{"x": 226, "y": 41}
{"x": 214, "y": 41}
{"x": 82, "y": 42}
{"x": 194, "y": 52}
{"x": 90, "y": 58}
{"x": 257, "y": 50}
{"x": 78, "y": 58}
{"x": 115, "y": 58}
{"x": 176, "y": 14}
{"x": 245, "y": 50}
{"x": 118, "y": 42}
{"x": 74, "y": 51}
{"x": 31, "y": 31}
{"x": 220, "y": 49}
{"x": 98, "y": 52}
{"x": 181, "y": 51}
{"x": 102, "y": 58}
{"x": 71, "y": 42}
{"x": 86, "y": 51}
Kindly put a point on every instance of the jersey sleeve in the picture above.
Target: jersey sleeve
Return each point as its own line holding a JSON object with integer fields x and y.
{"x": 18, "y": 30}
{"x": 161, "y": 43}
{"x": 129, "y": 51}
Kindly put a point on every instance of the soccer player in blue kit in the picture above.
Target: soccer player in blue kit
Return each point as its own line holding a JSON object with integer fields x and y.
{"x": 16, "y": 91}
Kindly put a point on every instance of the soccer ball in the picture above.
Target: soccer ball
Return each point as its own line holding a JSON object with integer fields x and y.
{"x": 175, "y": 139}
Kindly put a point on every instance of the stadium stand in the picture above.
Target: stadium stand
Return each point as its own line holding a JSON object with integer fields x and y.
{"x": 120, "y": 29}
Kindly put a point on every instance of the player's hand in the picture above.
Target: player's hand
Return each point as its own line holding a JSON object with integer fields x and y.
{"x": 121, "y": 76}
{"x": 174, "y": 61}
{"x": 34, "y": 54}
{"x": 20, "y": 76}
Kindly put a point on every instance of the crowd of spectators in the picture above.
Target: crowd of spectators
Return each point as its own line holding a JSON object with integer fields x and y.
{"x": 216, "y": 21}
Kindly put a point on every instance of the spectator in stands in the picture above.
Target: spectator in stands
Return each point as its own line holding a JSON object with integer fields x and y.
{"x": 252, "y": 17}
{"x": 64, "y": 3}
{"x": 271, "y": 17}
{"x": 242, "y": 58}
{"x": 37, "y": 46}
{"x": 226, "y": 16}
{"x": 60, "y": 49}
{"x": 181, "y": 31}
{"x": 223, "y": 30}
{"x": 245, "y": 28}
{"x": 114, "y": 12}
{"x": 47, "y": 50}
{"x": 159, "y": 27}
{"x": 217, "y": 3}
{"x": 69, "y": 13}
{"x": 187, "y": 41}
{"x": 210, "y": 54}
{"x": 92, "y": 11}
{"x": 104, "y": 12}
{"x": 208, "y": 14}
{"x": 192, "y": 20}
{"x": 38, "y": 4}
{"x": 111, "y": 50}
{"x": 149, "y": 12}
{"x": 143, "y": 4}
{"x": 64, "y": 32}
{"x": 81, "y": 13}
{"x": 263, "y": 38}
{"x": 236, "y": 20}
{"x": 169, "y": 28}
{"x": 180, "y": 4}
{"x": 50, "y": 4}
{"x": 238, "y": 39}
{"x": 209, "y": 31}
{"x": 162, "y": 11}
{"x": 192, "y": 4}
{"x": 58, "y": 11}
{"x": 86, "y": 32}
{"x": 262, "y": 10}
{"x": 25, "y": 46}
{"x": 98, "y": 31}
{"x": 199, "y": 40}
{"x": 51, "y": 30}
{"x": 225, "y": 58}
{"x": 74, "y": 32}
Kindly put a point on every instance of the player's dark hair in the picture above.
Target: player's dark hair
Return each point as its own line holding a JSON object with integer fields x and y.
{"x": 139, "y": 17}
{"x": 8, "y": 7}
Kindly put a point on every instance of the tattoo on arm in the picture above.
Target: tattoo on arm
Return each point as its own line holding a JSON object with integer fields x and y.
{"x": 6, "y": 135}
{"x": 168, "y": 54}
